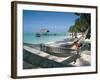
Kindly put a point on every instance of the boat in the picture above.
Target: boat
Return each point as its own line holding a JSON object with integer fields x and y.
{"x": 42, "y": 32}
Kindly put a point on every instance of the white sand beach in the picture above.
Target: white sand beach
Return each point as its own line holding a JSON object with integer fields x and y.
{"x": 63, "y": 52}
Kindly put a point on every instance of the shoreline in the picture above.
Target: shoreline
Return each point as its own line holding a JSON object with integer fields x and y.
{"x": 45, "y": 39}
{"x": 63, "y": 43}
{"x": 65, "y": 58}
{"x": 58, "y": 43}
{"x": 64, "y": 39}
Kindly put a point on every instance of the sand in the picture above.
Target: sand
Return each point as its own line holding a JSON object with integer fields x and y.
{"x": 84, "y": 60}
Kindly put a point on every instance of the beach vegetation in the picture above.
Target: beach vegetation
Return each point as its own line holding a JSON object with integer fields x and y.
{"x": 81, "y": 24}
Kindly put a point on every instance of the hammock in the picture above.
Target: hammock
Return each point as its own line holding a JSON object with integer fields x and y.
{"x": 64, "y": 50}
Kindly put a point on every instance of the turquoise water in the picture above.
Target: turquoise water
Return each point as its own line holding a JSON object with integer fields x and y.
{"x": 33, "y": 39}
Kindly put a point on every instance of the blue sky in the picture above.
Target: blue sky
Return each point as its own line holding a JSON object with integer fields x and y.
{"x": 33, "y": 21}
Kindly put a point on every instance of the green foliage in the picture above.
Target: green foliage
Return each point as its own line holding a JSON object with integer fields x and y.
{"x": 82, "y": 23}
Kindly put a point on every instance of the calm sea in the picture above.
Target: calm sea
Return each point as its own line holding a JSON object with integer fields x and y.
{"x": 33, "y": 39}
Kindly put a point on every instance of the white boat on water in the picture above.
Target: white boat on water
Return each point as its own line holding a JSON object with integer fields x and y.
{"x": 42, "y": 32}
